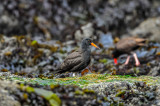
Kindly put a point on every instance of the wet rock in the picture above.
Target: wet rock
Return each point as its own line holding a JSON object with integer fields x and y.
{"x": 148, "y": 29}
{"x": 5, "y": 99}
{"x": 69, "y": 95}
{"x": 23, "y": 56}
{"x": 106, "y": 40}
{"x": 86, "y": 31}
{"x": 64, "y": 17}
{"x": 8, "y": 43}
{"x": 155, "y": 71}
{"x": 150, "y": 96}
{"x": 128, "y": 93}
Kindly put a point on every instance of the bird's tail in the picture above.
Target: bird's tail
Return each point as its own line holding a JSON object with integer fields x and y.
{"x": 57, "y": 71}
{"x": 141, "y": 41}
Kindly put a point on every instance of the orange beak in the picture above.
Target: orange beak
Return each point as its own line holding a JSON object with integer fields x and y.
{"x": 115, "y": 61}
{"x": 95, "y": 45}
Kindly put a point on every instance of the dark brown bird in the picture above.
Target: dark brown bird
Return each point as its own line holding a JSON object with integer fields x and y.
{"x": 127, "y": 46}
{"x": 77, "y": 60}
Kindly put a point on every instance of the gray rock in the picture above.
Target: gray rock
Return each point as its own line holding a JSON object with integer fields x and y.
{"x": 9, "y": 43}
{"x": 155, "y": 71}
{"x": 85, "y": 31}
{"x": 135, "y": 94}
{"x": 149, "y": 29}
{"x": 5, "y": 98}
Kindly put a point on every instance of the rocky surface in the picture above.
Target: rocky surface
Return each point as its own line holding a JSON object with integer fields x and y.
{"x": 5, "y": 98}
{"x": 148, "y": 29}
{"x": 24, "y": 56}
{"x": 35, "y": 37}
{"x": 60, "y": 19}
{"x": 107, "y": 93}
{"x": 37, "y": 95}
{"x": 130, "y": 94}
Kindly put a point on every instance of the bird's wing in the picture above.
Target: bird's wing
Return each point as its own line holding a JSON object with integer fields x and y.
{"x": 140, "y": 41}
{"x": 71, "y": 60}
{"x": 73, "y": 55}
{"x": 126, "y": 44}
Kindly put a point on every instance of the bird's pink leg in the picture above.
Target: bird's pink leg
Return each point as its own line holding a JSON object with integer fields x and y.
{"x": 136, "y": 59}
{"x": 127, "y": 60}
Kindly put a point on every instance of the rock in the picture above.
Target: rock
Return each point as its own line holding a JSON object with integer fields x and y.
{"x": 5, "y": 98}
{"x": 8, "y": 45}
{"x": 86, "y": 31}
{"x": 106, "y": 40}
{"x": 150, "y": 96}
{"x": 148, "y": 29}
{"x": 128, "y": 93}
{"x": 155, "y": 71}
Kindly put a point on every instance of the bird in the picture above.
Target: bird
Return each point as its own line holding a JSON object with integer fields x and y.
{"x": 127, "y": 46}
{"x": 77, "y": 60}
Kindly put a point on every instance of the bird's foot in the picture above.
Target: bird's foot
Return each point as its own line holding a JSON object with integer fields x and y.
{"x": 127, "y": 60}
{"x": 125, "y": 64}
{"x": 86, "y": 71}
{"x": 74, "y": 74}
{"x": 138, "y": 64}
{"x": 136, "y": 59}
{"x": 71, "y": 74}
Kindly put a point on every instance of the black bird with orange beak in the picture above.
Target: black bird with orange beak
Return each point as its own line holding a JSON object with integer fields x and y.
{"x": 127, "y": 46}
{"x": 77, "y": 60}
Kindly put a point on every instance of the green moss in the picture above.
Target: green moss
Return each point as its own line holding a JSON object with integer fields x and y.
{"x": 103, "y": 60}
{"x": 33, "y": 43}
{"x": 121, "y": 93}
{"x": 78, "y": 92}
{"x": 88, "y": 91}
{"x": 120, "y": 104}
{"x": 21, "y": 87}
{"x": 105, "y": 98}
{"x": 85, "y": 80}
{"x": 53, "y": 99}
{"x": 29, "y": 89}
{"x": 52, "y": 86}
{"x": 101, "y": 77}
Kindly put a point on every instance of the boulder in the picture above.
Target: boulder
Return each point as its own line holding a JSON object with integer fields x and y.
{"x": 5, "y": 98}
{"x": 149, "y": 29}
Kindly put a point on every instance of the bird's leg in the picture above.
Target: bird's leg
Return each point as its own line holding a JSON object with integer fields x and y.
{"x": 71, "y": 74}
{"x": 89, "y": 70}
{"x": 136, "y": 59}
{"x": 86, "y": 71}
{"x": 127, "y": 60}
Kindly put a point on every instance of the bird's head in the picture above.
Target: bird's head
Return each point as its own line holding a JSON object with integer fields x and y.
{"x": 87, "y": 42}
{"x": 115, "y": 55}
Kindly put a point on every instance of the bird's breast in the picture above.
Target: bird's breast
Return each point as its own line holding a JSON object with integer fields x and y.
{"x": 86, "y": 57}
